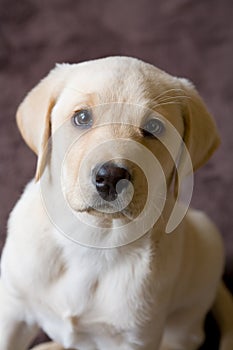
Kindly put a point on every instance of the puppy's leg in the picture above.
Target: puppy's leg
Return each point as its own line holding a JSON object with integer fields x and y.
{"x": 48, "y": 346}
{"x": 184, "y": 330}
{"x": 16, "y": 333}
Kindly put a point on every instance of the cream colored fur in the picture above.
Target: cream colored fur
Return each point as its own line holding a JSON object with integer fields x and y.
{"x": 152, "y": 294}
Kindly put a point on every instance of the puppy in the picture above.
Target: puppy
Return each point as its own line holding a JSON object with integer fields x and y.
{"x": 101, "y": 253}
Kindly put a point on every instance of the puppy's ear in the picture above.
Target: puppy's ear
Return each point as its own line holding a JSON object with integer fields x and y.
{"x": 200, "y": 135}
{"x": 200, "y": 141}
{"x": 33, "y": 114}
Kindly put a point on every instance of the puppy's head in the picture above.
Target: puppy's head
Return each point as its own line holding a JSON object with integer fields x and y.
{"x": 116, "y": 124}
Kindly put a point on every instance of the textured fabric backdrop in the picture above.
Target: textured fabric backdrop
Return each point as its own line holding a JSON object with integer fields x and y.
{"x": 187, "y": 38}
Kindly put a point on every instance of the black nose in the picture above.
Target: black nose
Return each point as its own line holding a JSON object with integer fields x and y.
{"x": 107, "y": 179}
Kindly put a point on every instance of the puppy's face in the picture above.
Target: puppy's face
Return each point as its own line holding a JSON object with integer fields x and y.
{"x": 119, "y": 125}
{"x": 116, "y": 128}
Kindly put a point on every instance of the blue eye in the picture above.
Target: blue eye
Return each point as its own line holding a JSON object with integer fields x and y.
{"x": 153, "y": 127}
{"x": 83, "y": 118}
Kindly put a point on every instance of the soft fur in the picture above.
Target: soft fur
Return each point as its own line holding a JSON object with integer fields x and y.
{"x": 151, "y": 294}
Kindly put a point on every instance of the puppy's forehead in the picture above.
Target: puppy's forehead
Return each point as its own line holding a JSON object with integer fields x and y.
{"x": 112, "y": 80}
{"x": 118, "y": 79}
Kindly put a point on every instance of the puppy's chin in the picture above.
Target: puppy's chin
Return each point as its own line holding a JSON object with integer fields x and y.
{"x": 104, "y": 212}
{"x": 128, "y": 208}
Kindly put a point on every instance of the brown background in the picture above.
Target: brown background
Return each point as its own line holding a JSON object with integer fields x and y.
{"x": 190, "y": 38}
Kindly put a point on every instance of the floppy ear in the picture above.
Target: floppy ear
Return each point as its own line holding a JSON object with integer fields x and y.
{"x": 200, "y": 141}
{"x": 33, "y": 114}
{"x": 200, "y": 135}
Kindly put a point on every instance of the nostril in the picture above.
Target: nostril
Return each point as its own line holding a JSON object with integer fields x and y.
{"x": 99, "y": 179}
{"x": 125, "y": 175}
{"x": 102, "y": 176}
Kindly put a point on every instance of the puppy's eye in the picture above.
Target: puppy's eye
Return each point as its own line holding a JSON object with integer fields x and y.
{"x": 153, "y": 127}
{"x": 83, "y": 118}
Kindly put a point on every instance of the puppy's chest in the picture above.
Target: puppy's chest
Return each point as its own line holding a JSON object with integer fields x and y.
{"x": 105, "y": 300}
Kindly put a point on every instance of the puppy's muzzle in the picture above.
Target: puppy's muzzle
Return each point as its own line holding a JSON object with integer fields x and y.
{"x": 110, "y": 180}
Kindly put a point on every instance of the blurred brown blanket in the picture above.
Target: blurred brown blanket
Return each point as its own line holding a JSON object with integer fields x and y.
{"x": 184, "y": 37}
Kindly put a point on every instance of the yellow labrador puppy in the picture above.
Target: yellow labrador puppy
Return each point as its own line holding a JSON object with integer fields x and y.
{"x": 101, "y": 253}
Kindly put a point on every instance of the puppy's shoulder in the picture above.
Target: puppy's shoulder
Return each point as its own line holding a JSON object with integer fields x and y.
{"x": 30, "y": 244}
{"x": 204, "y": 234}
{"x": 27, "y": 212}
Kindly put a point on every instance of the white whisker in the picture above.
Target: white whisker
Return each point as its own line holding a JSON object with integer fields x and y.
{"x": 178, "y": 97}
{"x": 169, "y": 90}
{"x": 167, "y": 103}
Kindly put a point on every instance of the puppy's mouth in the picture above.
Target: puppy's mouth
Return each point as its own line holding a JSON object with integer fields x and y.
{"x": 114, "y": 192}
{"x": 102, "y": 212}
{"x": 127, "y": 205}
{"x": 119, "y": 206}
